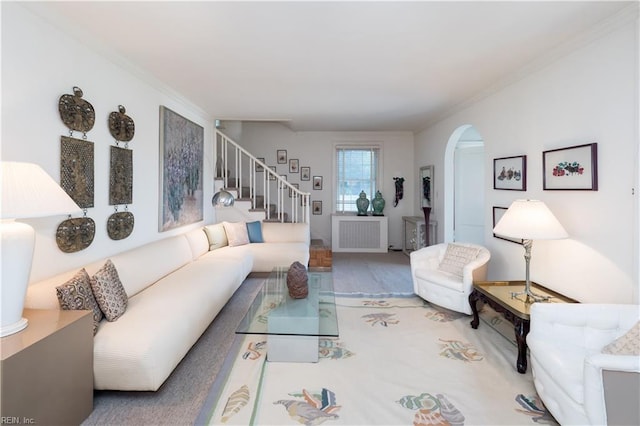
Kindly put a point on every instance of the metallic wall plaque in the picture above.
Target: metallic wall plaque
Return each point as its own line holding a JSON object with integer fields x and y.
{"x": 76, "y": 113}
{"x": 120, "y": 225}
{"x": 121, "y": 176}
{"x": 121, "y": 126}
{"x": 76, "y": 170}
{"x": 75, "y": 234}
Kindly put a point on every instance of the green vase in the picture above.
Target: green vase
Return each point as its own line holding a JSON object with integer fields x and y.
{"x": 378, "y": 204}
{"x": 362, "y": 204}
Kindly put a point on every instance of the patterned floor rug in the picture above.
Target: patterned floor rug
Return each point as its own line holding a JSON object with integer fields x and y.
{"x": 398, "y": 361}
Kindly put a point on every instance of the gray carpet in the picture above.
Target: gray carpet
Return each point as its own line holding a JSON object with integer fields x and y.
{"x": 180, "y": 398}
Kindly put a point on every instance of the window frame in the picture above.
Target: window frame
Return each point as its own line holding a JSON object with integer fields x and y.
{"x": 351, "y": 145}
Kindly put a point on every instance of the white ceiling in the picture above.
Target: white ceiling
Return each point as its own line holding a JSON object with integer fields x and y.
{"x": 329, "y": 65}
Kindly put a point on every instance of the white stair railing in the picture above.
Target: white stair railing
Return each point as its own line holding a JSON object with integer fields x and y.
{"x": 239, "y": 169}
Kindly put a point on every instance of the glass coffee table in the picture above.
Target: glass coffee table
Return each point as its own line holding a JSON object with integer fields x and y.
{"x": 293, "y": 326}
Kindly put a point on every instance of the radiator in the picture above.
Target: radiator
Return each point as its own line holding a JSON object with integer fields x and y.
{"x": 364, "y": 234}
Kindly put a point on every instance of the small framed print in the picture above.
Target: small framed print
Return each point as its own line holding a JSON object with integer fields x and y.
{"x": 259, "y": 167}
{"x": 293, "y": 165}
{"x": 510, "y": 173}
{"x": 281, "y": 156}
{"x": 498, "y": 212}
{"x": 296, "y": 186}
{"x": 317, "y": 183}
{"x": 284, "y": 177}
{"x": 305, "y": 173}
{"x": 271, "y": 175}
{"x": 575, "y": 167}
{"x": 316, "y": 207}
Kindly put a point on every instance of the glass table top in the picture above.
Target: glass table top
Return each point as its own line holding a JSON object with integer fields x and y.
{"x": 274, "y": 312}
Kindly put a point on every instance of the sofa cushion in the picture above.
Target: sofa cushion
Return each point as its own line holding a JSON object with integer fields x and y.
{"x": 76, "y": 294}
{"x": 109, "y": 292}
{"x": 134, "y": 268}
{"x": 627, "y": 344}
{"x": 443, "y": 279}
{"x": 216, "y": 235}
{"x": 198, "y": 242}
{"x": 277, "y": 232}
{"x": 268, "y": 256}
{"x": 236, "y": 233}
{"x": 254, "y": 229}
{"x": 456, "y": 257}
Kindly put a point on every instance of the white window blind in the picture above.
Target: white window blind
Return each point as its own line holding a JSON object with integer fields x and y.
{"x": 357, "y": 170}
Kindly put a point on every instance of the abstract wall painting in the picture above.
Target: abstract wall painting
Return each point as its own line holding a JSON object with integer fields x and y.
{"x": 181, "y": 169}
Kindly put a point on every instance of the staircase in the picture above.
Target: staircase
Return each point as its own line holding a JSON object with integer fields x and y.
{"x": 260, "y": 193}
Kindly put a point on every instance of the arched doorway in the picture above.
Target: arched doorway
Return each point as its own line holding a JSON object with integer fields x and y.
{"x": 464, "y": 186}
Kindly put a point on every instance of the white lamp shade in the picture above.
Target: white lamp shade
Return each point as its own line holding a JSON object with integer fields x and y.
{"x": 28, "y": 191}
{"x": 530, "y": 220}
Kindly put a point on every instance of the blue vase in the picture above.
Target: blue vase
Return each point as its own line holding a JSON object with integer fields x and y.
{"x": 362, "y": 203}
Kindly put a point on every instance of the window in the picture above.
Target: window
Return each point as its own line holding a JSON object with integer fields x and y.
{"x": 356, "y": 170}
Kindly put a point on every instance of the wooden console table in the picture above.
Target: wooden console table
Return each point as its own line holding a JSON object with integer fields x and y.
{"x": 497, "y": 294}
{"x": 47, "y": 369}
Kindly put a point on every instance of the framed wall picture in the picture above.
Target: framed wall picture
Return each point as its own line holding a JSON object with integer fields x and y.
{"x": 296, "y": 186}
{"x": 271, "y": 175}
{"x": 316, "y": 207}
{"x": 498, "y": 212}
{"x": 294, "y": 165}
{"x": 305, "y": 173}
{"x": 317, "y": 183}
{"x": 574, "y": 167}
{"x": 510, "y": 173}
{"x": 281, "y": 156}
{"x": 181, "y": 170}
{"x": 259, "y": 167}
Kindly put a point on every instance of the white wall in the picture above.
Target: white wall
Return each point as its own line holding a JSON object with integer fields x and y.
{"x": 41, "y": 63}
{"x": 315, "y": 149}
{"x": 588, "y": 95}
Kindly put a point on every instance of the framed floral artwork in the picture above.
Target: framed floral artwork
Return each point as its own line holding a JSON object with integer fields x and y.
{"x": 317, "y": 183}
{"x": 294, "y": 165}
{"x": 281, "y": 156}
{"x": 316, "y": 207}
{"x": 498, "y": 212}
{"x": 572, "y": 168}
{"x": 305, "y": 173}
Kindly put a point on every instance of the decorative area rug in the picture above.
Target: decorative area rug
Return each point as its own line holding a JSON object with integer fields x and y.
{"x": 398, "y": 361}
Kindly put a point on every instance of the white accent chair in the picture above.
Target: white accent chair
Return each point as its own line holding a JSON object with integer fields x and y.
{"x": 443, "y": 288}
{"x": 577, "y": 382}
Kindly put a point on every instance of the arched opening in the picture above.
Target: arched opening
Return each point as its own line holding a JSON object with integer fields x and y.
{"x": 464, "y": 186}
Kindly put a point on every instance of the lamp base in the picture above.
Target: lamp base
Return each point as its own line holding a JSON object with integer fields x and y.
{"x": 530, "y": 296}
{"x": 13, "y": 328}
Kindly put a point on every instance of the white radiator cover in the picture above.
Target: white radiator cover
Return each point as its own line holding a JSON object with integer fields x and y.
{"x": 359, "y": 234}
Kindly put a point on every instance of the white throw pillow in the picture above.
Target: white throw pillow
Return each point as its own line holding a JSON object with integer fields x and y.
{"x": 216, "y": 235}
{"x": 456, "y": 257}
{"x": 627, "y": 344}
{"x": 236, "y": 233}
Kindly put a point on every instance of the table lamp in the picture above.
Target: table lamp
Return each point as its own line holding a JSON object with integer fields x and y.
{"x": 27, "y": 192}
{"x": 529, "y": 220}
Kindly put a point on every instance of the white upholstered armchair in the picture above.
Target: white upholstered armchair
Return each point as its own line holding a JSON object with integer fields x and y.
{"x": 443, "y": 274}
{"x": 577, "y": 382}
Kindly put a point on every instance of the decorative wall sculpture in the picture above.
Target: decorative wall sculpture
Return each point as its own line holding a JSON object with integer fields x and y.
{"x": 76, "y": 171}
{"x": 122, "y": 128}
{"x": 181, "y": 169}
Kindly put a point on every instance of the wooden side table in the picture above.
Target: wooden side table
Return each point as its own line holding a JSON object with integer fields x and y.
{"x": 497, "y": 294}
{"x": 320, "y": 256}
{"x": 47, "y": 369}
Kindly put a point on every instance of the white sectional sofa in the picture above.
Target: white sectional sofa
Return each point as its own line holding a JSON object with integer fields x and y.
{"x": 175, "y": 288}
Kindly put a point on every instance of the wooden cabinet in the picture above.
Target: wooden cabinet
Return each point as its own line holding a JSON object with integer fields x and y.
{"x": 47, "y": 369}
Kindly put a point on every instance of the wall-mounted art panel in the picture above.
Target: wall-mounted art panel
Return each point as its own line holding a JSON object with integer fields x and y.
{"x": 76, "y": 170}
{"x": 121, "y": 176}
{"x": 181, "y": 168}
